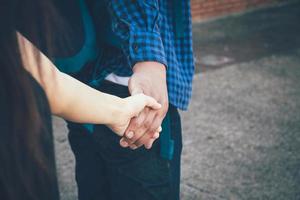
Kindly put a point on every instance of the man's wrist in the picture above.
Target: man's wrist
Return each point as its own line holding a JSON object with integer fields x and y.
{"x": 140, "y": 66}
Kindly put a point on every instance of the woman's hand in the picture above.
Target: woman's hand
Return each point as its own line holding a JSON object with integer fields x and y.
{"x": 131, "y": 108}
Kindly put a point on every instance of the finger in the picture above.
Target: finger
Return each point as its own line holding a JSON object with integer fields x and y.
{"x": 133, "y": 147}
{"x": 152, "y": 140}
{"x": 125, "y": 140}
{"x": 138, "y": 103}
{"x": 138, "y": 134}
{"x": 159, "y": 129}
{"x": 149, "y": 144}
{"x": 129, "y": 135}
{"x": 145, "y": 139}
{"x": 152, "y": 103}
{"x": 149, "y": 120}
{"x": 141, "y": 131}
{"x": 136, "y": 128}
{"x": 156, "y": 124}
{"x": 124, "y": 143}
{"x": 155, "y": 135}
{"x": 134, "y": 124}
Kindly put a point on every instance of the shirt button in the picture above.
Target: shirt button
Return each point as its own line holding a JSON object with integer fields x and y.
{"x": 135, "y": 48}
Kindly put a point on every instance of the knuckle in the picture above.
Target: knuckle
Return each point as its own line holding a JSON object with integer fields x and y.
{"x": 133, "y": 146}
{"x": 153, "y": 129}
{"x": 138, "y": 143}
{"x": 132, "y": 140}
{"x": 127, "y": 140}
{"x": 147, "y": 124}
{"x": 164, "y": 109}
{"x": 135, "y": 123}
{"x": 137, "y": 135}
{"x": 143, "y": 140}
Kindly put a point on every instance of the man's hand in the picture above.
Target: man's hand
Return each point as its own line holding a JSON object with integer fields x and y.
{"x": 148, "y": 78}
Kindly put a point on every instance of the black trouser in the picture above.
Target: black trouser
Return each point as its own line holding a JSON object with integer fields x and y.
{"x": 106, "y": 171}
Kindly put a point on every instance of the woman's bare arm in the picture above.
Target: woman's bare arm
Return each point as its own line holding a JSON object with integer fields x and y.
{"x": 75, "y": 101}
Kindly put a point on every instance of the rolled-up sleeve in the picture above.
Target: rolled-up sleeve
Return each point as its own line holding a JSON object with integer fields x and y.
{"x": 136, "y": 22}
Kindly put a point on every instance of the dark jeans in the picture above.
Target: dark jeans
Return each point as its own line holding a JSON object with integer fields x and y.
{"x": 106, "y": 171}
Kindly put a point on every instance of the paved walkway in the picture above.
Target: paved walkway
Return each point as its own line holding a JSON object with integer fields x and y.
{"x": 242, "y": 133}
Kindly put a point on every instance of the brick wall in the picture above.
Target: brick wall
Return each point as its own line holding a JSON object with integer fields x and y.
{"x": 205, "y": 9}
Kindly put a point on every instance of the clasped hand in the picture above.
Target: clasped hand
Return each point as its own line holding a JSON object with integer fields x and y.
{"x": 148, "y": 79}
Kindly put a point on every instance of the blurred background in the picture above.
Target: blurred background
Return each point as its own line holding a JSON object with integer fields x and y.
{"x": 242, "y": 131}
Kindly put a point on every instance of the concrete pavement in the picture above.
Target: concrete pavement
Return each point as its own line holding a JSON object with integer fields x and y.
{"x": 243, "y": 139}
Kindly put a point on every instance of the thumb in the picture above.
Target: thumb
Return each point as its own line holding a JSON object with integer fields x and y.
{"x": 138, "y": 102}
{"x": 152, "y": 103}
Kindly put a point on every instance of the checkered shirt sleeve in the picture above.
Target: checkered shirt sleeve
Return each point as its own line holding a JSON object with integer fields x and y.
{"x": 137, "y": 23}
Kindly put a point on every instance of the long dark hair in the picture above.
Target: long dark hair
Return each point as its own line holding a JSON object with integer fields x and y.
{"x": 23, "y": 166}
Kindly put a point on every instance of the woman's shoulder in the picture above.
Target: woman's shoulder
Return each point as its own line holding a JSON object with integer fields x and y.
{"x": 65, "y": 29}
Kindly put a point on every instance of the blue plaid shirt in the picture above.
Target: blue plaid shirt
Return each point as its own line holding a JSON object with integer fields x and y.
{"x": 149, "y": 31}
